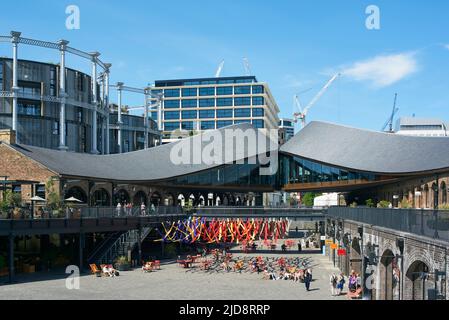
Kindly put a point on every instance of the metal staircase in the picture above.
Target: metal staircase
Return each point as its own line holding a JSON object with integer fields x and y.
{"x": 118, "y": 246}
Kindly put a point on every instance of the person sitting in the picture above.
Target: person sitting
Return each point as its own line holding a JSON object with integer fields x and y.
{"x": 357, "y": 294}
{"x": 284, "y": 247}
{"x": 148, "y": 267}
{"x": 254, "y": 246}
{"x": 109, "y": 270}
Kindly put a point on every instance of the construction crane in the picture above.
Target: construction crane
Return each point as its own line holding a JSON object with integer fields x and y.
{"x": 303, "y": 112}
{"x": 247, "y": 67}
{"x": 390, "y": 119}
{"x": 219, "y": 69}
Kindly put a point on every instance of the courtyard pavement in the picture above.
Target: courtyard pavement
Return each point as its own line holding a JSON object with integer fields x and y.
{"x": 175, "y": 283}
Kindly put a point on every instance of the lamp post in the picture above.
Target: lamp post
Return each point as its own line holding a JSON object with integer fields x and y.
{"x": 395, "y": 201}
{"x": 362, "y": 254}
{"x": 435, "y": 207}
{"x": 400, "y": 245}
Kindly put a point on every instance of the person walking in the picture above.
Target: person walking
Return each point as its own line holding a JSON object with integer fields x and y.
{"x": 341, "y": 284}
{"x": 307, "y": 279}
{"x": 333, "y": 283}
{"x": 299, "y": 246}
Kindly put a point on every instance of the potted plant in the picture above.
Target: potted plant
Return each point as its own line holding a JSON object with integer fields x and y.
{"x": 122, "y": 264}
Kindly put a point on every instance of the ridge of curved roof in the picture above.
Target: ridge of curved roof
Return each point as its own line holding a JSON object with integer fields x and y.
{"x": 144, "y": 165}
{"x": 368, "y": 151}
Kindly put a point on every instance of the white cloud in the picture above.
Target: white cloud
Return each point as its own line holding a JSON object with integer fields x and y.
{"x": 292, "y": 81}
{"x": 383, "y": 70}
{"x": 446, "y": 46}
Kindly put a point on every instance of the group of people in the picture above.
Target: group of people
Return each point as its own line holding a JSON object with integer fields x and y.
{"x": 109, "y": 270}
{"x": 338, "y": 282}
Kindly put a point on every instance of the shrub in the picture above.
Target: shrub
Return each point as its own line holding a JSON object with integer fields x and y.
{"x": 307, "y": 199}
{"x": 405, "y": 204}
{"x": 353, "y": 205}
{"x": 444, "y": 206}
{"x": 384, "y": 204}
{"x": 369, "y": 203}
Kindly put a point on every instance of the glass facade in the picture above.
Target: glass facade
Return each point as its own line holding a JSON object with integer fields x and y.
{"x": 189, "y": 92}
{"x": 246, "y": 101}
{"x": 223, "y": 91}
{"x": 224, "y": 113}
{"x": 189, "y": 103}
{"x": 207, "y": 114}
{"x": 204, "y": 81}
{"x": 210, "y": 91}
{"x": 171, "y": 104}
{"x": 258, "y": 112}
{"x": 224, "y": 102}
{"x": 29, "y": 108}
{"x": 298, "y": 170}
{"x": 223, "y": 123}
{"x": 206, "y": 125}
{"x": 191, "y": 114}
{"x": 228, "y": 175}
{"x": 171, "y": 93}
{"x": 242, "y": 113}
{"x": 205, "y": 103}
{"x": 258, "y": 101}
{"x": 259, "y": 124}
{"x": 258, "y": 89}
{"x": 170, "y": 126}
{"x": 171, "y": 115}
{"x": 1, "y": 75}
{"x": 187, "y": 125}
{"x": 242, "y": 90}
{"x": 242, "y": 121}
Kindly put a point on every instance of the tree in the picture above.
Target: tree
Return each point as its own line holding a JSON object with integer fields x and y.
{"x": 54, "y": 201}
{"x": 308, "y": 198}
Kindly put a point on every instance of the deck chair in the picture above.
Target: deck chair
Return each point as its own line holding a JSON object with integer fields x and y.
{"x": 94, "y": 270}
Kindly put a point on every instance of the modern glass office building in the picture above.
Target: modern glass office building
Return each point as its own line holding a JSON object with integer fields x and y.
{"x": 213, "y": 103}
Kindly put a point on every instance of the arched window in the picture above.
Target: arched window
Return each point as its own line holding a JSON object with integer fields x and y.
{"x": 101, "y": 198}
{"x": 121, "y": 196}
{"x": 77, "y": 193}
{"x": 443, "y": 193}
{"x": 139, "y": 198}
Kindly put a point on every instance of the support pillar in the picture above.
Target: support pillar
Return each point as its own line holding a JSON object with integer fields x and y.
{"x": 139, "y": 246}
{"x": 11, "y": 258}
{"x": 119, "y": 119}
{"x": 15, "y": 87}
{"x": 81, "y": 250}
{"x": 94, "y": 55}
{"x": 62, "y": 96}
{"x": 106, "y": 103}
{"x": 145, "y": 120}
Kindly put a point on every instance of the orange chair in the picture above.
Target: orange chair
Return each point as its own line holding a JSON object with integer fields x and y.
{"x": 94, "y": 270}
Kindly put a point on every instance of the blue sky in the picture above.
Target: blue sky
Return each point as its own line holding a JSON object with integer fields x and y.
{"x": 293, "y": 45}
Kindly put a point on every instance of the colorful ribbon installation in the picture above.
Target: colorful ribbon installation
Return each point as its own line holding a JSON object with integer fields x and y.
{"x": 197, "y": 229}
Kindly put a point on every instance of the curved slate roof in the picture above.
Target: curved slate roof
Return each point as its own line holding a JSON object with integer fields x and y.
{"x": 144, "y": 165}
{"x": 369, "y": 151}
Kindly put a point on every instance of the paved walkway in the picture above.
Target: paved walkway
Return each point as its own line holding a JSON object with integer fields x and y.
{"x": 173, "y": 282}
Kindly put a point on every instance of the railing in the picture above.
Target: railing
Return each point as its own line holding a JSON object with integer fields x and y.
{"x": 428, "y": 223}
{"x": 88, "y": 212}
{"x": 257, "y": 211}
